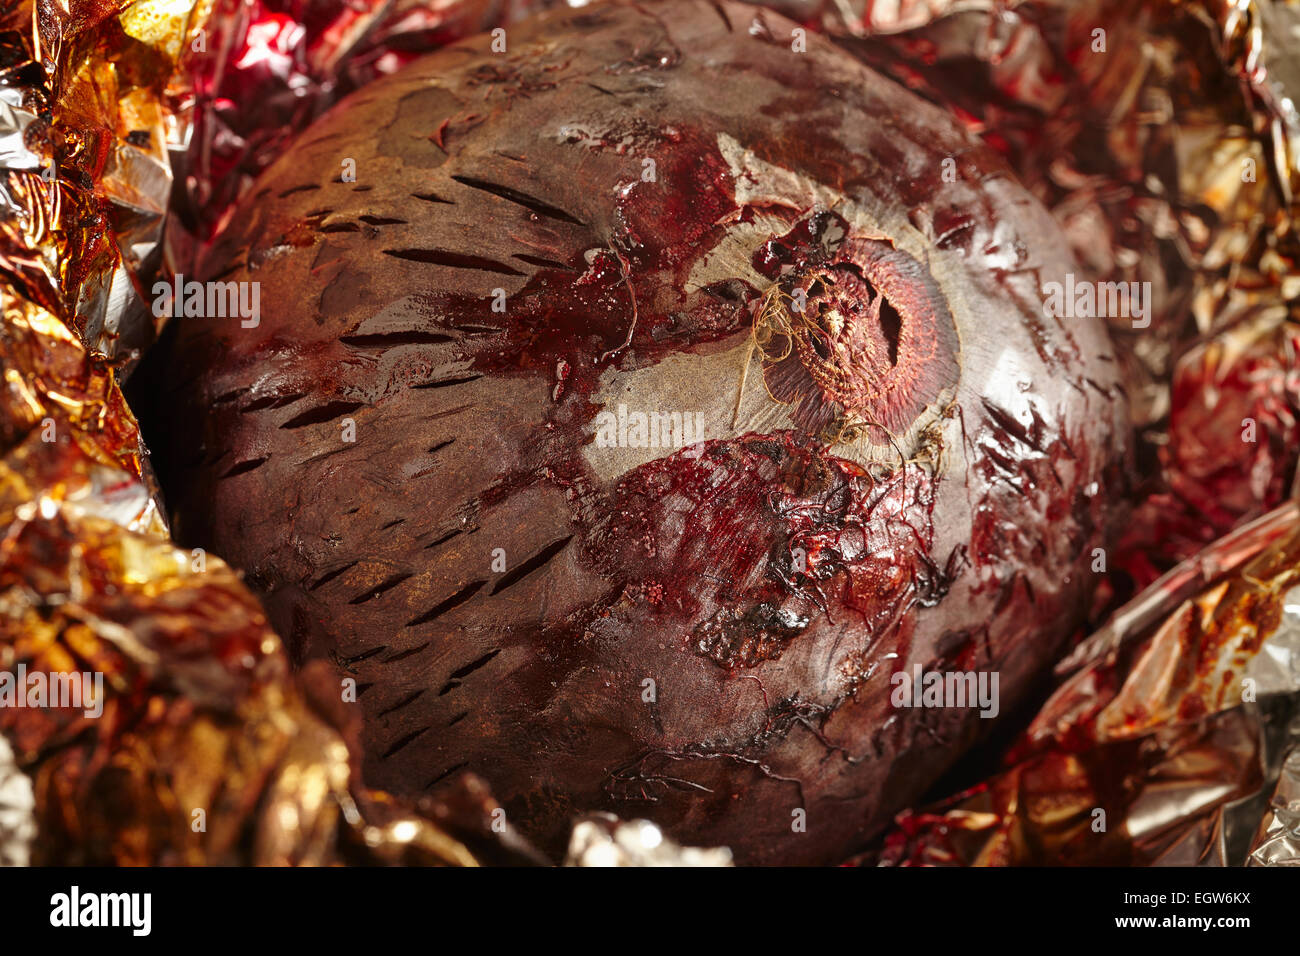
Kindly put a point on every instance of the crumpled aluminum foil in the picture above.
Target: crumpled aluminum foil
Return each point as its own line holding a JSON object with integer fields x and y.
{"x": 84, "y": 166}
{"x": 1158, "y": 746}
{"x": 17, "y": 825}
{"x": 1138, "y": 152}
{"x": 1277, "y": 843}
{"x": 205, "y": 734}
{"x": 601, "y": 839}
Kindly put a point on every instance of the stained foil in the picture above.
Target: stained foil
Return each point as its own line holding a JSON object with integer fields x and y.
{"x": 1158, "y": 746}
{"x": 1278, "y": 841}
{"x": 119, "y": 117}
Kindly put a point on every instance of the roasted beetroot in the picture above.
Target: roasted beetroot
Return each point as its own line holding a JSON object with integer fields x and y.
{"x": 656, "y": 391}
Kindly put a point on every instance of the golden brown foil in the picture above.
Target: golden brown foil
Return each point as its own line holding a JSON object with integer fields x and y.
{"x": 1147, "y": 753}
{"x": 1138, "y": 151}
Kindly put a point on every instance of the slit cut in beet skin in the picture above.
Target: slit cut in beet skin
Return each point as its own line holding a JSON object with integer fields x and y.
{"x": 882, "y": 458}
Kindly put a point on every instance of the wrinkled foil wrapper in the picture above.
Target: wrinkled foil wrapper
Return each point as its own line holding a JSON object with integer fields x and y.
{"x": 17, "y": 803}
{"x": 1163, "y": 744}
{"x": 601, "y": 839}
{"x": 120, "y": 117}
{"x": 1277, "y": 842}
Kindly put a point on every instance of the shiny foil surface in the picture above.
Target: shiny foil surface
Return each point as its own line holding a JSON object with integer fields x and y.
{"x": 1157, "y": 746}
{"x": 129, "y": 129}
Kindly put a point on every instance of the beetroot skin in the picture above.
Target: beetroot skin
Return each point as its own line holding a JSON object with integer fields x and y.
{"x": 440, "y": 460}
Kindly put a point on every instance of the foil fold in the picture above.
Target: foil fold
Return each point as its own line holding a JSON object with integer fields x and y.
{"x": 17, "y": 824}
{"x": 1277, "y": 842}
{"x": 1156, "y": 748}
{"x": 118, "y": 117}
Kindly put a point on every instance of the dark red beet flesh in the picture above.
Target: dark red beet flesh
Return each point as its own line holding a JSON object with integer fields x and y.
{"x": 903, "y": 460}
